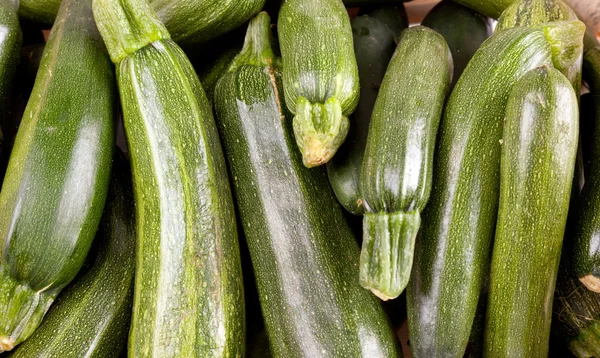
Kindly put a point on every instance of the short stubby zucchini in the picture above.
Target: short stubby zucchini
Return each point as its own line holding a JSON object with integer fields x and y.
{"x": 539, "y": 146}
{"x": 91, "y": 317}
{"x": 375, "y": 39}
{"x": 303, "y": 253}
{"x": 58, "y": 174}
{"x": 189, "y": 296}
{"x": 320, "y": 80}
{"x": 397, "y": 168}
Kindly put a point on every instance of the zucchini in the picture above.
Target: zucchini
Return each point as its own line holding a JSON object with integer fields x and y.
{"x": 40, "y": 11}
{"x": 188, "y": 286}
{"x": 90, "y": 318}
{"x": 58, "y": 175}
{"x": 539, "y": 146}
{"x": 320, "y": 81}
{"x": 396, "y": 175}
{"x": 211, "y": 72}
{"x": 490, "y": 8}
{"x": 452, "y": 250}
{"x": 311, "y": 300}
{"x": 10, "y": 44}
{"x": 464, "y": 31}
{"x": 375, "y": 36}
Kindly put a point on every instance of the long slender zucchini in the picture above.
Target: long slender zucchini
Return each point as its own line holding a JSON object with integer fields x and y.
{"x": 464, "y": 31}
{"x": 396, "y": 175}
{"x": 320, "y": 81}
{"x": 188, "y": 286}
{"x": 539, "y": 146}
{"x": 55, "y": 187}
{"x": 90, "y": 318}
{"x": 375, "y": 35}
{"x": 310, "y": 297}
{"x": 452, "y": 251}
{"x": 40, "y": 11}
{"x": 10, "y": 44}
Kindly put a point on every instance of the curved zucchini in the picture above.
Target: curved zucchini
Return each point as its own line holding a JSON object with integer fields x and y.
{"x": 320, "y": 81}
{"x": 396, "y": 175}
{"x": 539, "y": 146}
{"x": 188, "y": 286}
{"x": 452, "y": 251}
{"x": 312, "y": 303}
{"x": 90, "y": 318}
{"x": 55, "y": 187}
{"x": 375, "y": 38}
{"x": 464, "y": 31}
{"x": 10, "y": 44}
{"x": 40, "y": 11}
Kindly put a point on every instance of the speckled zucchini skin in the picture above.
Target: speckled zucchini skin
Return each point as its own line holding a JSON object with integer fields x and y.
{"x": 539, "y": 146}
{"x": 397, "y": 168}
{"x": 91, "y": 317}
{"x": 320, "y": 80}
{"x": 303, "y": 252}
{"x": 188, "y": 286}
{"x": 375, "y": 38}
{"x": 55, "y": 187}
{"x": 453, "y": 248}
{"x": 491, "y": 8}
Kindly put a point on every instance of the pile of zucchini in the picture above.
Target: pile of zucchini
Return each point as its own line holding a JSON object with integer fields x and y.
{"x": 175, "y": 188}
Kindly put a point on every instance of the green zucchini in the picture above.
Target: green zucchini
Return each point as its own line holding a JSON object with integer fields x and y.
{"x": 490, "y": 8}
{"x": 90, "y": 318}
{"x": 587, "y": 125}
{"x": 396, "y": 175}
{"x": 55, "y": 187}
{"x": 375, "y": 36}
{"x": 452, "y": 250}
{"x": 10, "y": 44}
{"x": 539, "y": 146}
{"x": 211, "y": 72}
{"x": 40, "y": 11}
{"x": 311, "y": 300}
{"x": 188, "y": 286}
{"x": 320, "y": 81}
{"x": 464, "y": 31}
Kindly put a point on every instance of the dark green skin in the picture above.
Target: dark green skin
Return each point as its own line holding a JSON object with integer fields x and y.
{"x": 91, "y": 317}
{"x": 10, "y": 44}
{"x": 374, "y": 45}
{"x": 586, "y": 253}
{"x": 464, "y": 31}
{"x": 310, "y": 297}
{"x": 55, "y": 188}
{"x": 396, "y": 175}
{"x": 453, "y": 248}
{"x": 210, "y": 73}
{"x": 538, "y": 159}
{"x": 29, "y": 63}
{"x": 194, "y": 22}
{"x": 40, "y": 11}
